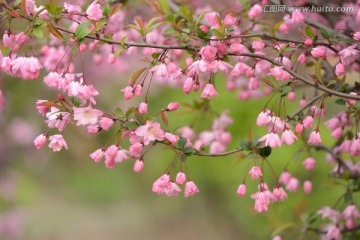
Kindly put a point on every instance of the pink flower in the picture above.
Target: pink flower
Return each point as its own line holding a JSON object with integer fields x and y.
{"x": 111, "y": 151}
{"x": 308, "y": 42}
{"x": 288, "y": 137}
{"x": 239, "y": 69}
{"x": 334, "y": 232}
{"x": 190, "y": 189}
{"x": 349, "y": 54}
{"x": 204, "y": 28}
{"x": 128, "y": 92}
{"x": 94, "y": 11}
{"x": 263, "y": 118}
{"x": 297, "y": 18}
{"x": 261, "y": 202}
{"x": 151, "y": 131}
{"x": 93, "y": 129}
{"x": 208, "y": 53}
{"x": 161, "y": 184}
{"x": 307, "y": 186}
{"x": 299, "y": 128}
{"x": 351, "y": 211}
{"x": 139, "y": 165}
{"x": 57, "y": 119}
{"x": 319, "y": 52}
{"x": 339, "y": 70}
{"x": 327, "y": 212}
{"x": 280, "y": 74}
{"x": 258, "y": 45}
{"x": 106, "y": 123}
{"x": 209, "y": 91}
{"x": 308, "y": 122}
{"x": 111, "y": 58}
{"x": 309, "y": 163}
{"x": 333, "y": 123}
{"x": 171, "y": 137}
{"x": 57, "y": 142}
{"x": 279, "y": 194}
{"x": 357, "y": 36}
{"x": 40, "y": 141}
{"x": 241, "y": 191}
{"x": 109, "y": 162}
{"x": 355, "y": 147}
{"x": 216, "y": 147}
{"x": 172, "y": 190}
{"x": 135, "y": 149}
{"x": 345, "y": 146}
{"x": 143, "y": 107}
{"x": 173, "y": 106}
{"x": 271, "y": 140}
{"x": 97, "y": 155}
{"x": 180, "y": 178}
{"x": 53, "y": 79}
{"x": 292, "y": 185}
{"x": 285, "y": 177}
{"x": 26, "y": 67}
{"x": 229, "y": 20}
{"x": 188, "y": 85}
{"x": 138, "y": 90}
{"x": 277, "y": 237}
{"x": 254, "y": 11}
{"x": 30, "y": 6}
{"x": 87, "y": 115}
{"x": 337, "y": 133}
{"x": 291, "y": 96}
{"x": 121, "y": 155}
{"x": 315, "y": 138}
{"x": 255, "y": 172}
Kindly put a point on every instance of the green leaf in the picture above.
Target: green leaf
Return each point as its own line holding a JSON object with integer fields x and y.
{"x": 164, "y": 4}
{"x": 245, "y": 145}
{"x": 119, "y": 112}
{"x": 186, "y": 13}
{"x": 182, "y": 142}
{"x": 277, "y": 25}
{"x": 53, "y": 9}
{"x": 38, "y": 33}
{"x": 55, "y": 32}
{"x": 318, "y": 66}
{"x": 189, "y": 151}
{"x": 136, "y": 75}
{"x": 282, "y": 228}
{"x": 331, "y": 82}
{"x": 309, "y": 64}
{"x": 122, "y": 41}
{"x": 82, "y": 31}
{"x": 309, "y": 32}
{"x": 75, "y": 101}
{"x": 150, "y": 23}
{"x": 285, "y": 90}
{"x": 38, "y": 21}
{"x": 130, "y": 124}
{"x": 264, "y": 152}
{"x": 340, "y": 101}
{"x": 324, "y": 33}
{"x": 118, "y": 52}
{"x": 200, "y": 17}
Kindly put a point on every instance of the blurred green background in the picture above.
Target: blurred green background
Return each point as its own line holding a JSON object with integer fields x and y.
{"x": 67, "y": 196}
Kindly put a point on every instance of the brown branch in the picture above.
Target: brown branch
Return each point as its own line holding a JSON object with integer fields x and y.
{"x": 301, "y": 78}
{"x": 236, "y": 150}
{"x": 308, "y": 104}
